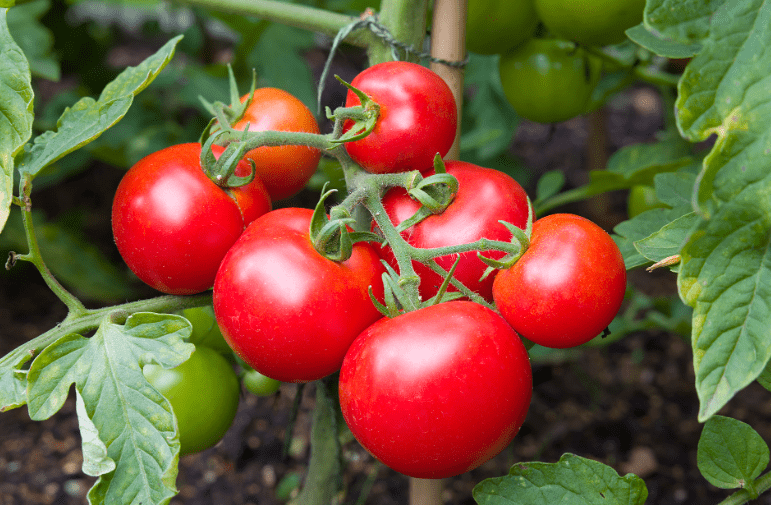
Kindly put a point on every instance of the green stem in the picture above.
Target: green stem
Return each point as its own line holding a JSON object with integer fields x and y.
{"x": 90, "y": 319}
{"x": 647, "y": 73}
{"x": 74, "y": 305}
{"x": 298, "y": 16}
{"x": 406, "y": 20}
{"x": 570, "y": 196}
{"x": 762, "y": 484}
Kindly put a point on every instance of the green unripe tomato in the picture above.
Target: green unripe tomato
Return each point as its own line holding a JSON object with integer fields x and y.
{"x": 259, "y": 384}
{"x": 203, "y": 392}
{"x": 549, "y": 80}
{"x": 205, "y": 329}
{"x": 642, "y": 198}
{"x": 590, "y": 22}
{"x": 498, "y": 26}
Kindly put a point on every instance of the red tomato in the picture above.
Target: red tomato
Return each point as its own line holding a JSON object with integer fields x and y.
{"x": 418, "y": 118}
{"x": 436, "y": 392}
{"x": 283, "y": 169}
{"x": 289, "y": 312}
{"x": 567, "y": 287}
{"x": 484, "y": 197}
{"x": 172, "y": 225}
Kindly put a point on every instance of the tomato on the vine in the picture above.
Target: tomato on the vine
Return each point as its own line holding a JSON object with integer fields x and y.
{"x": 418, "y": 118}
{"x": 203, "y": 392}
{"x": 283, "y": 169}
{"x": 498, "y": 26}
{"x": 173, "y": 225}
{"x": 567, "y": 287}
{"x": 590, "y": 22}
{"x": 436, "y": 392}
{"x": 286, "y": 310}
{"x": 549, "y": 80}
{"x": 485, "y": 196}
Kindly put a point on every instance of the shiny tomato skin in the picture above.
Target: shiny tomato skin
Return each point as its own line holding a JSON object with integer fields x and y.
{"x": 418, "y": 118}
{"x": 567, "y": 287}
{"x": 286, "y": 310}
{"x": 484, "y": 197}
{"x": 436, "y": 392}
{"x": 283, "y": 169}
{"x": 172, "y": 225}
{"x": 203, "y": 392}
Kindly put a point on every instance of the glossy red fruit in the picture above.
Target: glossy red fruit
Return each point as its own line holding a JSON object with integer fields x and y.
{"x": 484, "y": 197}
{"x": 436, "y": 392}
{"x": 286, "y": 310}
{"x": 418, "y": 118}
{"x": 172, "y": 225}
{"x": 567, "y": 287}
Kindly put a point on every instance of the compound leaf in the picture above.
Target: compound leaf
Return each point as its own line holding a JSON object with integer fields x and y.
{"x": 129, "y": 431}
{"x": 682, "y": 21}
{"x": 725, "y": 269}
{"x": 573, "y": 479}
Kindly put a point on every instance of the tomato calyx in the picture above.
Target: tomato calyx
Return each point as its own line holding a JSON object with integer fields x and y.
{"x": 520, "y": 239}
{"x": 222, "y": 170}
{"x": 354, "y": 123}
{"x": 229, "y": 114}
{"x": 435, "y": 193}
{"x": 330, "y": 234}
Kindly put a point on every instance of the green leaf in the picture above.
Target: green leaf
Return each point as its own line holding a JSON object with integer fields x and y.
{"x": 725, "y": 275}
{"x": 16, "y": 113}
{"x": 725, "y": 264}
{"x": 722, "y": 92}
{"x": 573, "y": 479}
{"x": 322, "y": 483}
{"x": 731, "y": 454}
{"x": 549, "y": 184}
{"x": 682, "y": 21}
{"x": 13, "y": 381}
{"x": 89, "y": 118}
{"x": 661, "y": 46}
{"x": 134, "y": 422}
{"x": 668, "y": 240}
{"x": 642, "y": 226}
{"x": 34, "y": 38}
{"x": 96, "y": 462}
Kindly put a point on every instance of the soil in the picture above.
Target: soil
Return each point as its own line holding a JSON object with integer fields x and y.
{"x": 630, "y": 404}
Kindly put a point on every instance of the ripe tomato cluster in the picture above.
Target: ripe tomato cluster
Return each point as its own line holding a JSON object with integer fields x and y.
{"x": 443, "y": 382}
{"x": 547, "y": 75}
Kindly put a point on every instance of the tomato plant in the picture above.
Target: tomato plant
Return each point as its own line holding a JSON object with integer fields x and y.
{"x": 203, "y": 392}
{"x": 590, "y": 22}
{"x": 549, "y": 80}
{"x": 485, "y": 196}
{"x": 436, "y": 392}
{"x": 417, "y": 109}
{"x": 288, "y": 311}
{"x": 172, "y": 225}
{"x": 498, "y": 26}
{"x": 567, "y": 287}
{"x": 283, "y": 169}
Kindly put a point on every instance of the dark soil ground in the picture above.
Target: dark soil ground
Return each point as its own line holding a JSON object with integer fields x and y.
{"x": 630, "y": 404}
